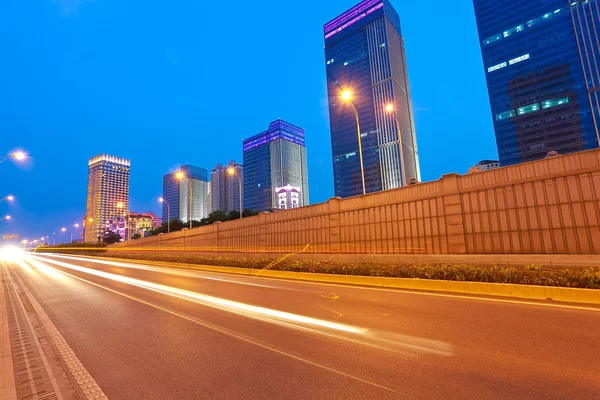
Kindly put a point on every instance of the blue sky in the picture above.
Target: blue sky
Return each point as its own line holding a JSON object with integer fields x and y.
{"x": 167, "y": 83}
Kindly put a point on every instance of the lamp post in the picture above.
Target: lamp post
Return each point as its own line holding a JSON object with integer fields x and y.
{"x": 75, "y": 226}
{"x": 162, "y": 200}
{"x": 391, "y": 109}
{"x": 181, "y": 176}
{"x": 347, "y": 97}
{"x": 88, "y": 221}
{"x": 18, "y": 155}
{"x": 231, "y": 171}
{"x": 62, "y": 230}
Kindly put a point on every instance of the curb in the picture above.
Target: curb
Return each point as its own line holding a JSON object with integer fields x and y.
{"x": 529, "y": 292}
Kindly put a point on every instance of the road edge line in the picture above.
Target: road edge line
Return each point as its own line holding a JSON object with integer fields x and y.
{"x": 8, "y": 389}
{"x": 506, "y": 290}
{"x": 80, "y": 378}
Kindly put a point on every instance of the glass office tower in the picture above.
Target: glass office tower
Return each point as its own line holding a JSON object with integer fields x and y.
{"x": 225, "y": 187}
{"x": 274, "y": 160}
{"x": 107, "y": 194}
{"x": 364, "y": 53}
{"x": 541, "y": 63}
{"x": 176, "y": 194}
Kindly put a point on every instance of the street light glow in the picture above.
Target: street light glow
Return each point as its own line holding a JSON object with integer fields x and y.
{"x": 346, "y": 95}
{"x": 161, "y": 200}
{"x": 76, "y": 225}
{"x": 19, "y": 155}
{"x": 10, "y": 198}
{"x": 64, "y": 229}
{"x": 8, "y": 217}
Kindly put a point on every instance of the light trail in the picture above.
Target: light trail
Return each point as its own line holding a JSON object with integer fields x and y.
{"x": 235, "y": 307}
{"x": 170, "y": 271}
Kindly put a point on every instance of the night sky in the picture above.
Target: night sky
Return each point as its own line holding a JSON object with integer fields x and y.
{"x": 168, "y": 83}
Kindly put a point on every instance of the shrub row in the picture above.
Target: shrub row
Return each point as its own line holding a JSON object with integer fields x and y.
{"x": 576, "y": 277}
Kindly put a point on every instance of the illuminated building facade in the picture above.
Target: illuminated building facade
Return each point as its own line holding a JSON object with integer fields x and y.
{"x": 139, "y": 223}
{"x": 225, "y": 187}
{"x": 273, "y": 159}
{"x": 288, "y": 197}
{"x": 364, "y": 52}
{"x": 541, "y": 65}
{"x": 107, "y": 195}
{"x": 176, "y": 194}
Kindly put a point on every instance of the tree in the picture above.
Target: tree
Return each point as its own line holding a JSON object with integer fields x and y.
{"x": 249, "y": 213}
{"x": 111, "y": 238}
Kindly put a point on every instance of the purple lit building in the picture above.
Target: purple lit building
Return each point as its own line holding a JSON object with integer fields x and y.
{"x": 364, "y": 54}
{"x": 274, "y": 159}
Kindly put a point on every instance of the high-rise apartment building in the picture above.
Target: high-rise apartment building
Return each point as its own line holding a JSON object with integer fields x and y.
{"x": 541, "y": 64}
{"x": 176, "y": 194}
{"x": 107, "y": 195}
{"x": 225, "y": 186}
{"x": 365, "y": 57}
{"x": 275, "y": 159}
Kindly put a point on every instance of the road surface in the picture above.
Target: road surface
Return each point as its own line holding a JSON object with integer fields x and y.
{"x": 149, "y": 332}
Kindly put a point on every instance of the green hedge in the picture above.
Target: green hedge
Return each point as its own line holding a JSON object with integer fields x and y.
{"x": 576, "y": 277}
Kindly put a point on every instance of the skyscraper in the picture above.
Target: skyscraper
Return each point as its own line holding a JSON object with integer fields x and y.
{"x": 176, "y": 186}
{"x": 274, "y": 159}
{"x": 365, "y": 57}
{"x": 225, "y": 187}
{"x": 541, "y": 64}
{"x": 107, "y": 195}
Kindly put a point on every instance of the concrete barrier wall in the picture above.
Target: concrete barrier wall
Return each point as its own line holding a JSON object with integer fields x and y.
{"x": 544, "y": 207}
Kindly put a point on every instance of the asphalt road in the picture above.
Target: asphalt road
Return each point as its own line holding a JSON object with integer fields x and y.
{"x": 147, "y": 332}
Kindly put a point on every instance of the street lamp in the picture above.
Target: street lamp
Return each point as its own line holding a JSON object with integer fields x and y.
{"x": 62, "y": 230}
{"x": 390, "y": 108}
{"x": 89, "y": 221}
{"x": 181, "y": 176}
{"x": 6, "y": 217}
{"x": 17, "y": 155}
{"x": 76, "y": 226}
{"x": 8, "y": 198}
{"x": 168, "y": 214}
{"x": 347, "y": 97}
{"x": 231, "y": 171}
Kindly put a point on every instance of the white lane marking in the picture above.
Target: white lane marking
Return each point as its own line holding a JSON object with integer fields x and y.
{"x": 80, "y": 378}
{"x": 222, "y": 304}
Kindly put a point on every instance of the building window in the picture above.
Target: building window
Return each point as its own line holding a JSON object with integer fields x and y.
{"x": 554, "y": 102}
{"x": 516, "y": 29}
{"x": 496, "y": 67}
{"x": 528, "y": 109}
{"x": 492, "y": 39}
{"x": 505, "y": 115}
{"x": 519, "y": 59}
